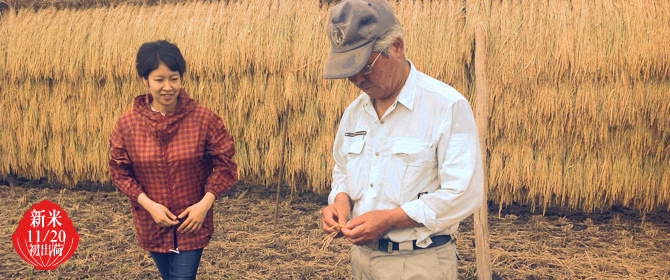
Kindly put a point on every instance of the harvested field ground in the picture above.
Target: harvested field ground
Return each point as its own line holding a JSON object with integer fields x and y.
{"x": 617, "y": 244}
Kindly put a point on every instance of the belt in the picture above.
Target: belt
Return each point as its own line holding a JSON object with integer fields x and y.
{"x": 386, "y": 245}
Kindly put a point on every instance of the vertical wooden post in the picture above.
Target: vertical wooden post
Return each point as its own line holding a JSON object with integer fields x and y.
{"x": 482, "y": 118}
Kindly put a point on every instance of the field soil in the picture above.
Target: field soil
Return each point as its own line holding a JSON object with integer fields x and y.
{"x": 525, "y": 243}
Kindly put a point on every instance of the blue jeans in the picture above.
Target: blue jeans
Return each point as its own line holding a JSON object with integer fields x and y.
{"x": 178, "y": 266}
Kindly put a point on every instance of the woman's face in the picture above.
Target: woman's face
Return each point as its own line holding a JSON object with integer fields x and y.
{"x": 164, "y": 85}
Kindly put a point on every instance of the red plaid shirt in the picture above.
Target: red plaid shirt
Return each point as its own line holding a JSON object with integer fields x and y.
{"x": 174, "y": 159}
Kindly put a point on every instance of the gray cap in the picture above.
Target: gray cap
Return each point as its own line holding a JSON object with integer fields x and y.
{"x": 353, "y": 28}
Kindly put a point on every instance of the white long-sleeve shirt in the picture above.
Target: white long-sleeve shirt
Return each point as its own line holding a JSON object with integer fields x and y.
{"x": 423, "y": 155}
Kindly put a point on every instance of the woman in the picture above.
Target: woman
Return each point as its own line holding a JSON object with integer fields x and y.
{"x": 172, "y": 158}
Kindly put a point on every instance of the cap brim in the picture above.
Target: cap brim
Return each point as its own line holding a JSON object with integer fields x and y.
{"x": 346, "y": 64}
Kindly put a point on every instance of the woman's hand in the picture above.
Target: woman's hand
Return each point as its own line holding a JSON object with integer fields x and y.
{"x": 196, "y": 214}
{"x": 161, "y": 215}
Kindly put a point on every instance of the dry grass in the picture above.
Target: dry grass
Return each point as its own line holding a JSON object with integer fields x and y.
{"x": 579, "y": 117}
{"x": 617, "y": 244}
{"x": 82, "y": 4}
{"x": 244, "y": 245}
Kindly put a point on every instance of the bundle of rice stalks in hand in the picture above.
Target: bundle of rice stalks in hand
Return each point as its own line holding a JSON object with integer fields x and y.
{"x": 329, "y": 238}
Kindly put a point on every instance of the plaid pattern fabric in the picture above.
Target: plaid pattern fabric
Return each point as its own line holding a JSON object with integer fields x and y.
{"x": 174, "y": 159}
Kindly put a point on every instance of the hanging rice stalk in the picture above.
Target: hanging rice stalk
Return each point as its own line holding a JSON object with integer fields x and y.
{"x": 578, "y": 89}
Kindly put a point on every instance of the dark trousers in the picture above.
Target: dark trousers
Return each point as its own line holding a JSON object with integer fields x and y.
{"x": 174, "y": 266}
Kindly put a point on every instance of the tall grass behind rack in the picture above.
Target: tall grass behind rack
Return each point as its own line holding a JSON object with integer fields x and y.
{"x": 579, "y": 116}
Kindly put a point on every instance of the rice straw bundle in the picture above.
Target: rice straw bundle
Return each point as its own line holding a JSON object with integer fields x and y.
{"x": 579, "y": 89}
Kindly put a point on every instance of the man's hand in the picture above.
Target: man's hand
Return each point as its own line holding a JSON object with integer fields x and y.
{"x": 373, "y": 225}
{"x": 196, "y": 214}
{"x": 336, "y": 213}
{"x": 161, "y": 215}
{"x": 368, "y": 227}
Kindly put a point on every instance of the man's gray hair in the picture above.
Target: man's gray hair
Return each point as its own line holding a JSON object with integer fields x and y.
{"x": 389, "y": 38}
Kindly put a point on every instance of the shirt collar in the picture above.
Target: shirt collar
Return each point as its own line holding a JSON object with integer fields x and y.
{"x": 154, "y": 109}
{"x": 407, "y": 93}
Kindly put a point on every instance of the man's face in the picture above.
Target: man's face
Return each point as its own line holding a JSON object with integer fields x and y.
{"x": 379, "y": 83}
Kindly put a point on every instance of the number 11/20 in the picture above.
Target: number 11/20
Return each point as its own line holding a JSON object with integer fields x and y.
{"x": 56, "y": 236}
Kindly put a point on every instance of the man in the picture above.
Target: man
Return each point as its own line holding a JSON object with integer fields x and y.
{"x": 408, "y": 167}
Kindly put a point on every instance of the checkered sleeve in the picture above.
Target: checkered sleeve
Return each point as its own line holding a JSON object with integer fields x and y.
{"x": 120, "y": 166}
{"x": 220, "y": 149}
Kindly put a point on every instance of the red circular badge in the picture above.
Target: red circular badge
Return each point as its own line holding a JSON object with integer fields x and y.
{"x": 45, "y": 237}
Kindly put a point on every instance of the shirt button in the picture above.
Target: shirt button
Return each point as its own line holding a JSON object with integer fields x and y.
{"x": 372, "y": 185}
{"x": 381, "y": 122}
{"x": 377, "y": 154}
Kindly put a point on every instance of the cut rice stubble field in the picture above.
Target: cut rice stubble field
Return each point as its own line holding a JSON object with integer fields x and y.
{"x": 618, "y": 244}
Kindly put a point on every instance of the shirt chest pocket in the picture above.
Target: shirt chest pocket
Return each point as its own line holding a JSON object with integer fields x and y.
{"x": 412, "y": 166}
{"x": 357, "y": 169}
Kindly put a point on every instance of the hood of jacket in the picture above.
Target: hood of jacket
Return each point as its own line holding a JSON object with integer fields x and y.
{"x": 164, "y": 127}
